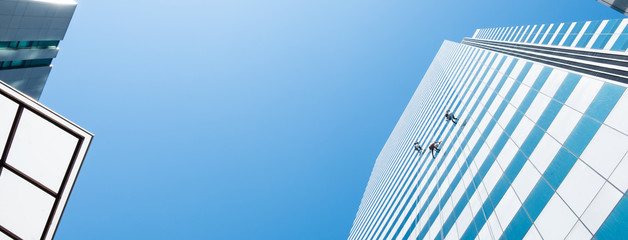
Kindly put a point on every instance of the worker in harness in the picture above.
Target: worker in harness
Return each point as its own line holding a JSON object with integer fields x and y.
{"x": 435, "y": 148}
{"x": 418, "y": 147}
{"x": 450, "y": 116}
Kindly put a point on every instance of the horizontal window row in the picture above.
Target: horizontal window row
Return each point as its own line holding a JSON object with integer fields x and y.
{"x": 531, "y": 37}
{"x": 25, "y": 63}
{"x": 28, "y": 44}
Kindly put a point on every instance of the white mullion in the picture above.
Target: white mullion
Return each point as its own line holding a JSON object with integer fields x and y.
{"x": 506, "y": 32}
{"x": 476, "y": 33}
{"x": 596, "y": 34}
{"x": 546, "y": 33}
{"x": 530, "y": 34}
{"x": 522, "y": 34}
{"x": 567, "y": 33}
{"x": 582, "y": 30}
{"x": 517, "y": 32}
{"x": 556, "y": 33}
{"x": 538, "y": 33}
{"x": 616, "y": 34}
{"x": 500, "y": 33}
{"x": 493, "y": 34}
{"x": 513, "y": 33}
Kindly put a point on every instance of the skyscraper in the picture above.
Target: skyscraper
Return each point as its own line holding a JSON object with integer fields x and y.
{"x": 539, "y": 149}
{"x": 30, "y": 31}
{"x": 619, "y": 5}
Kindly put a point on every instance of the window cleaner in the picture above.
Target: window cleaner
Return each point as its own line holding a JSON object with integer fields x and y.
{"x": 418, "y": 147}
{"x": 435, "y": 148}
{"x": 450, "y": 116}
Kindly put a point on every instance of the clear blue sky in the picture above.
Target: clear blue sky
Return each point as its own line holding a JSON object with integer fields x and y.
{"x": 248, "y": 119}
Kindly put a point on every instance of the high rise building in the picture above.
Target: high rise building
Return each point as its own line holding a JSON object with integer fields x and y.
{"x": 539, "y": 149}
{"x": 30, "y": 31}
{"x": 619, "y": 5}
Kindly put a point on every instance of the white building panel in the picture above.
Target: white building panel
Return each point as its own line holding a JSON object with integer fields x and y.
{"x": 24, "y": 207}
{"x": 602, "y": 205}
{"x": 580, "y": 187}
{"x": 564, "y": 123}
{"x": 579, "y": 232}
{"x": 618, "y": 178}
{"x": 605, "y": 150}
{"x": 556, "y": 220}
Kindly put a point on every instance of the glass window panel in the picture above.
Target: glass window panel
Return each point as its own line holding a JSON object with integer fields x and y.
{"x": 561, "y": 33}
{"x": 41, "y": 150}
{"x": 4, "y": 44}
{"x": 4, "y": 237}
{"x": 17, "y": 63}
{"x": 25, "y": 44}
{"x": 48, "y": 43}
{"x": 40, "y": 62}
{"x": 542, "y": 31}
{"x": 621, "y": 44}
{"x": 525, "y": 33}
{"x": 550, "y": 33}
{"x": 24, "y": 207}
{"x": 574, "y": 33}
{"x": 8, "y": 109}
{"x": 606, "y": 34}
{"x": 588, "y": 33}
{"x": 13, "y": 44}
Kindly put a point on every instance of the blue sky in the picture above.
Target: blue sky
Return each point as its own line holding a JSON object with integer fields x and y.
{"x": 249, "y": 119}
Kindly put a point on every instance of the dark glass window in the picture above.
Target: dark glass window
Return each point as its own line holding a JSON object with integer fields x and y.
{"x": 17, "y": 63}
{"x": 29, "y": 44}
{"x": 24, "y": 44}
{"x": 40, "y": 62}
{"x": 25, "y": 63}
{"x": 48, "y": 43}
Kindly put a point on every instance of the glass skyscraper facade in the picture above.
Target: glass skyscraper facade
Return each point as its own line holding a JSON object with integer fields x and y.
{"x": 539, "y": 150}
{"x": 30, "y": 31}
{"x": 619, "y": 5}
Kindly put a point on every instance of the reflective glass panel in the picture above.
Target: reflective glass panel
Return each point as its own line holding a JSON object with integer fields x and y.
{"x": 41, "y": 150}
{"x": 24, "y": 207}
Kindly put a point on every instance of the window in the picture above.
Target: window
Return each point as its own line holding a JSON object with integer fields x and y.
{"x": 29, "y": 44}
